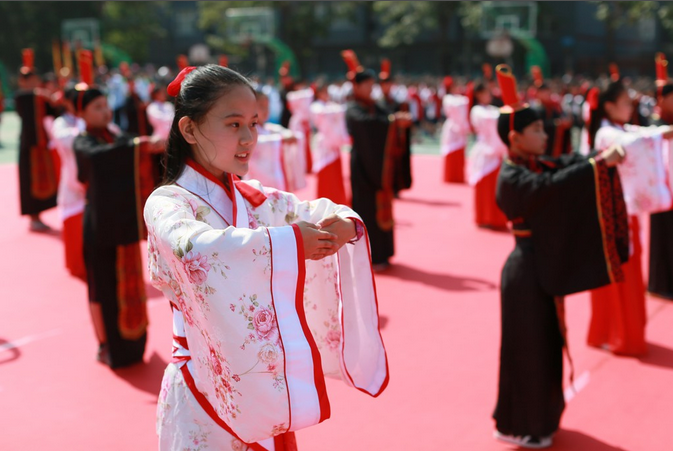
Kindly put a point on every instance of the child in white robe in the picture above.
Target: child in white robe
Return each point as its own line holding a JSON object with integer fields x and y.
{"x": 267, "y": 296}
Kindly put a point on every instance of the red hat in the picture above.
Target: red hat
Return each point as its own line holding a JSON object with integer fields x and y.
{"x": 538, "y": 78}
{"x": 507, "y": 82}
{"x": 352, "y": 62}
{"x": 384, "y": 75}
{"x": 614, "y": 71}
{"x": 487, "y": 69}
{"x": 28, "y": 58}
{"x": 662, "y": 68}
{"x": 182, "y": 61}
{"x": 85, "y": 61}
{"x": 224, "y": 60}
{"x": 447, "y": 82}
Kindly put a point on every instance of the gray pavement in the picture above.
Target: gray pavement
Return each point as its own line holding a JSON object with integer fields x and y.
{"x": 10, "y": 127}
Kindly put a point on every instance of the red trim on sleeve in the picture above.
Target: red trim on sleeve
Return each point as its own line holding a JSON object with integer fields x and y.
{"x": 343, "y": 343}
{"x": 251, "y": 194}
{"x": 318, "y": 376}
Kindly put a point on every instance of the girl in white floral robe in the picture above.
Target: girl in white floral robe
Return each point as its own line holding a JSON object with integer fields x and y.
{"x": 256, "y": 326}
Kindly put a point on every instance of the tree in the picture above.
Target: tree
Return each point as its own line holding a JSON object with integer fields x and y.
{"x": 35, "y": 25}
{"x": 130, "y": 26}
{"x": 405, "y": 21}
{"x": 618, "y": 14}
{"x": 299, "y": 23}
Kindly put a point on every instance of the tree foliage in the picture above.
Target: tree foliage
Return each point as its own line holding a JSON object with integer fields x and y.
{"x": 617, "y": 14}
{"x": 35, "y": 25}
{"x": 130, "y": 26}
{"x": 405, "y": 21}
{"x": 298, "y": 24}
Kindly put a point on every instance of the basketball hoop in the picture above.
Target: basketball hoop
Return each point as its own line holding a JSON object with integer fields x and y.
{"x": 500, "y": 46}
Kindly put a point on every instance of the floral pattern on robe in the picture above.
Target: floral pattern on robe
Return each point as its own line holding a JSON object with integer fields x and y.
{"x": 263, "y": 325}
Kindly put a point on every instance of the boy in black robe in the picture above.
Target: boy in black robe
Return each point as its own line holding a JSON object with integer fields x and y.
{"x": 569, "y": 222}
{"x": 109, "y": 165}
{"x": 376, "y": 146}
{"x": 38, "y": 178}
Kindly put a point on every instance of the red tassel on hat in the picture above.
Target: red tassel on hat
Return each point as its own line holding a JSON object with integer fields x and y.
{"x": 352, "y": 62}
{"x": 487, "y": 70}
{"x": 385, "y": 69}
{"x": 507, "y": 83}
{"x": 662, "y": 67}
{"x": 28, "y": 60}
{"x": 85, "y": 61}
{"x": 538, "y": 78}
{"x": 614, "y": 71}
{"x": 448, "y": 83}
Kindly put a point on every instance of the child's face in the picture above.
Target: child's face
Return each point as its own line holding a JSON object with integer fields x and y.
{"x": 533, "y": 138}
{"x": 225, "y": 140}
{"x": 363, "y": 89}
{"x": 484, "y": 97}
{"x": 97, "y": 114}
{"x": 620, "y": 110}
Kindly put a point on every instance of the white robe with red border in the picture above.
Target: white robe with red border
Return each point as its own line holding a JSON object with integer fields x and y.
{"x": 256, "y": 326}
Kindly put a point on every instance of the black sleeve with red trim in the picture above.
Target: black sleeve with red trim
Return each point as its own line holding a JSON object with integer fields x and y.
{"x": 576, "y": 218}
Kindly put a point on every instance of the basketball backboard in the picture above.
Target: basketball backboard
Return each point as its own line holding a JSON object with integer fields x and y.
{"x": 513, "y": 18}
{"x": 84, "y": 31}
{"x": 247, "y": 24}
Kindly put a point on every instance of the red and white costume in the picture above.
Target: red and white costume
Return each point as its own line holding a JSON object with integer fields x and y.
{"x": 256, "y": 326}
{"x": 71, "y": 193}
{"x": 277, "y": 163}
{"x": 484, "y": 160}
{"x": 299, "y": 103}
{"x": 618, "y": 310}
{"x": 330, "y": 121}
{"x": 160, "y": 115}
{"x": 454, "y": 135}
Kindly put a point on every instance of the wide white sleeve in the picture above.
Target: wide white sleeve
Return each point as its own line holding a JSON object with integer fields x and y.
{"x": 643, "y": 172}
{"x": 239, "y": 290}
{"x": 340, "y": 299}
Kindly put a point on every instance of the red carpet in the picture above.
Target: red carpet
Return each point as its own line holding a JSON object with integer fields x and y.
{"x": 440, "y": 308}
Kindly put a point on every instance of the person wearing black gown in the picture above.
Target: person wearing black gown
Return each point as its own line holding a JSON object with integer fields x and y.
{"x": 569, "y": 223}
{"x": 108, "y": 164}
{"x": 38, "y": 177}
{"x": 376, "y": 144}
{"x": 402, "y": 178}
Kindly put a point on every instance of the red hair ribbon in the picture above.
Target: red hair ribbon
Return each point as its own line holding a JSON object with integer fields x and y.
{"x": 174, "y": 88}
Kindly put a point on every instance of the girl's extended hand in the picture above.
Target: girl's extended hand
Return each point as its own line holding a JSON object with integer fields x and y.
{"x": 613, "y": 155}
{"x": 317, "y": 243}
{"x": 344, "y": 229}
